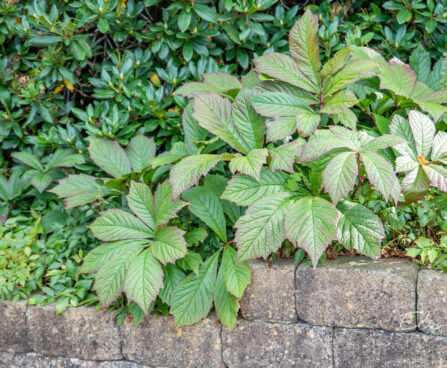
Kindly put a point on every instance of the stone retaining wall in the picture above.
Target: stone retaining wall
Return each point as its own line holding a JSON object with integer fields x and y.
{"x": 353, "y": 312}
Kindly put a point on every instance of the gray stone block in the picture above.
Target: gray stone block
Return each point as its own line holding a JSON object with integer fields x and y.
{"x": 271, "y": 295}
{"x": 382, "y": 349}
{"x": 33, "y": 360}
{"x": 13, "y": 336}
{"x": 359, "y": 292}
{"x": 76, "y": 333}
{"x": 262, "y": 345}
{"x": 432, "y": 302}
{"x": 156, "y": 342}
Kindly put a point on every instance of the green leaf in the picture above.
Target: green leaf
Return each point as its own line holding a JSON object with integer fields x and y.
{"x": 144, "y": 279}
{"x": 423, "y": 131}
{"x": 321, "y": 143}
{"x": 78, "y": 190}
{"x": 359, "y": 228}
{"x": 206, "y": 206}
{"x": 172, "y": 277}
{"x": 237, "y": 276}
{"x": 401, "y": 128}
{"x": 307, "y": 122}
{"x": 139, "y": 151}
{"x": 109, "y": 281}
{"x": 439, "y": 149}
{"x": 193, "y": 131}
{"x": 384, "y": 141}
{"x": 141, "y": 203}
{"x": 284, "y": 68}
{"x": 245, "y": 190}
{"x": 403, "y": 16}
{"x": 339, "y": 102}
{"x": 226, "y": 305}
{"x": 103, "y": 25}
{"x": 97, "y": 257}
{"x": 44, "y": 41}
{"x": 348, "y": 118}
{"x": 310, "y": 224}
{"x": 247, "y": 121}
{"x": 283, "y": 157}
{"x": 340, "y": 175}
{"x": 40, "y": 180}
{"x": 205, "y": 12}
{"x": 165, "y": 207}
{"x": 184, "y": 19}
{"x": 304, "y": 46}
{"x": 251, "y": 164}
{"x": 64, "y": 158}
{"x": 260, "y": 231}
{"x": 191, "y": 261}
{"x": 109, "y": 156}
{"x": 117, "y": 225}
{"x": 275, "y": 104}
{"x": 212, "y": 83}
{"x": 421, "y": 64}
{"x": 380, "y": 172}
{"x": 437, "y": 176}
{"x": 189, "y": 170}
{"x": 214, "y": 114}
{"x": 195, "y": 236}
{"x": 192, "y": 299}
{"x": 169, "y": 244}
{"x": 398, "y": 77}
{"x": 415, "y": 185}
{"x": 28, "y": 159}
{"x": 281, "y": 128}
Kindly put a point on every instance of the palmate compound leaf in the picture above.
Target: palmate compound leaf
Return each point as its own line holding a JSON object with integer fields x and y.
{"x": 322, "y": 142}
{"x": 119, "y": 225}
{"x": 144, "y": 279}
{"x": 192, "y": 298}
{"x": 340, "y": 175}
{"x": 304, "y": 46}
{"x": 188, "y": 171}
{"x": 237, "y": 276}
{"x": 284, "y": 68}
{"x": 192, "y": 130}
{"x": 307, "y": 121}
{"x": 437, "y": 176}
{"x": 64, "y": 158}
{"x": 245, "y": 190}
{"x": 169, "y": 244}
{"x": 139, "y": 151}
{"x": 281, "y": 128}
{"x": 212, "y": 83}
{"x": 28, "y": 159}
{"x": 226, "y": 304}
{"x": 439, "y": 149}
{"x": 109, "y": 156}
{"x": 276, "y": 104}
{"x": 415, "y": 185}
{"x": 359, "y": 228}
{"x": 166, "y": 208}
{"x": 310, "y": 224}
{"x": 172, "y": 277}
{"x": 260, "y": 231}
{"x": 109, "y": 280}
{"x": 214, "y": 114}
{"x": 339, "y": 102}
{"x": 206, "y": 206}
{"x": 251, "y": 164}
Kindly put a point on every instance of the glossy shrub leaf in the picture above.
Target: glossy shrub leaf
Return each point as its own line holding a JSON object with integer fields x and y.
{"x": 109, "y": 156}
{"x": 260, "y": 231}
{"x": 139, "y": 151}
{"x": 169, "y": 244}
{"x": 237, "y": 276}
{"x": 251, "y": 164}
{"x": 144, "y": 279}
{"x": 119, "y": 225}
{"x": 206, "y": 206}
{"x": 192, "y": 298}
{"x": 245, "y": 190}
{"x": 189, "y": 170}
{"x": 359, "y": 228}
{"x": 310, "y": 224}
